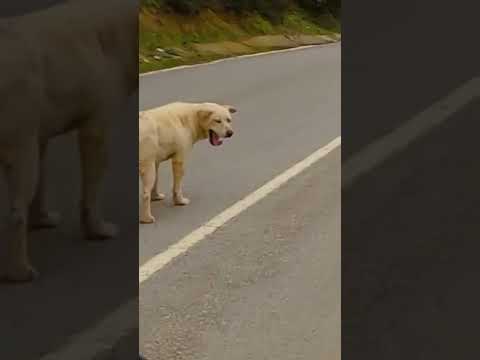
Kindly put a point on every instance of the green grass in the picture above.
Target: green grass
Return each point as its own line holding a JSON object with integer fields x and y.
{"x": 300, "y": 22}
{"x": 166, "y": 30}
{"x": 257, "y": 25}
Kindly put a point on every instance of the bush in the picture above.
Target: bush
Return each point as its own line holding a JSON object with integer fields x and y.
{"x": 335, "y": 7}
{"x": 271, "y": 9}
{"x": 187, "y": 7}
{"x": 321, "y": 6}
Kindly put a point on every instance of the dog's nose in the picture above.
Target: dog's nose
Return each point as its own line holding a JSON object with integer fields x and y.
{"x": 229, "y": 133}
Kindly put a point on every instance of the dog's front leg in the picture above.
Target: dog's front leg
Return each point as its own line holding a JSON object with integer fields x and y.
{"x": 21, "y": 171}
{"x": 40, "y": 216}
{"x": 178, "y": 173}
{"x": 156, "y": 194}
{"x": 147, "y": 173}
{"x": 93, "y": 156}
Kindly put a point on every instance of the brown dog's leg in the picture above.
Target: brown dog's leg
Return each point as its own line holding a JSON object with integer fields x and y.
{"x": 39, "y": 216}
{"x": 93, "y": 154}
{"x": 21, "y": 174}
{"x": 156, "y": 194}
{"x": 178, "y": 173}
{"x": 148, "y": 180}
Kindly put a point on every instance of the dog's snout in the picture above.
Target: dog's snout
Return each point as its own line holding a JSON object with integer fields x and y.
{"x": 229, "y": 133}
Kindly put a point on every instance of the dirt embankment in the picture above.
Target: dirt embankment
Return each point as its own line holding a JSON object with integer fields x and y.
{"x": 168, "y": 40}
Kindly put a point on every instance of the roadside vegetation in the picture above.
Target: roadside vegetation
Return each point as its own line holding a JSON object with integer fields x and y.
{"x": 177, "y": 32}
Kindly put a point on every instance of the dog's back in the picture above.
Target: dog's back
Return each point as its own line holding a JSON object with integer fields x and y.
{"x": 160, "y": 132}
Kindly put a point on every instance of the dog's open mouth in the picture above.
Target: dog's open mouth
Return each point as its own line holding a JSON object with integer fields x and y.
{"x": 214, "y": 138}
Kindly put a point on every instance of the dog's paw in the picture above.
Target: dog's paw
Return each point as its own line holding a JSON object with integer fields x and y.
{"x": 181, "y": 201}
{"x": 147, "y": 219}
{"x": 21, "y": 273}
{"x": 157, "y": 196}
{"x": 44, "y": 220}
{"x": 101, "y": 230}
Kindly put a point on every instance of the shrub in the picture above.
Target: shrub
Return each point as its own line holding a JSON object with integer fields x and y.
{"x": 321, "y": 6}
{"x": 187, "y": 7}
{"x": 271, "y": 9}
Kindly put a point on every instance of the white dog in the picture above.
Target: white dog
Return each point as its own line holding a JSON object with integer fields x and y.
{"x": 65, "y": 68}
{"x": 169, "y": 132}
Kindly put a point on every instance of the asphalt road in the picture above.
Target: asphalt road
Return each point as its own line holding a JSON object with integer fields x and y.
{"x": 397, "y": 64}
{"x": 410, "y": 226}
{"x": 289, "y": 106}
{"x": 408, "y": 274}
{"x": 410, "y": 249}
{"x": 266, "y": 285}
{"x": 409, "y": 271}
{"x": 18, "y": 8}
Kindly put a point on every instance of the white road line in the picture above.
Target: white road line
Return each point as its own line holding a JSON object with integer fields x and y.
{"x": 107, "y": 332}
{"x": 377, "y": 152}
{"x": 101, "y": 337}
{"x": 181, "y": 67}
{"x": 159, "y": 261}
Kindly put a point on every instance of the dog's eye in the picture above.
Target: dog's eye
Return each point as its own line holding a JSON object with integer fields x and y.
{"x": 218, "y": 121}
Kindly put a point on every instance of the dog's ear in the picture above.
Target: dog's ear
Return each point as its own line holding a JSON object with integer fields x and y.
{"x": 231, "y": 109}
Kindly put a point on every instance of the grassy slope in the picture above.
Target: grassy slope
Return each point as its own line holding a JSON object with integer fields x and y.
{"x": 160, "y": 29}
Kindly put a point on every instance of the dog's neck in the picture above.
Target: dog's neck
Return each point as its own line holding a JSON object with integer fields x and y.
{"x": 196, "y": 131}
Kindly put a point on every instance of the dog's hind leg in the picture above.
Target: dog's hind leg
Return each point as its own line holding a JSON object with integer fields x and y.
{"x": 21, "y": 171}
{"x": 93, "y": 154}
{"x": 39, "y": 216}
{"x": 156, "y": 194}
{"x": 148, "y": 181}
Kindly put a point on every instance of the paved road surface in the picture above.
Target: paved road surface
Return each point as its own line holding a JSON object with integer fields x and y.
{"x": 394, "y": 262}
{"x": 409, "y": 249}
{"x": 289, "y": 106}
{"x": 404, "y": 260}
{"x": 412, "y": 275}
{"x": 17, "y": 8}
{"x": 267, "y": 285}
{"x": 284, "y": 116}
{"x": 393, "y": 74}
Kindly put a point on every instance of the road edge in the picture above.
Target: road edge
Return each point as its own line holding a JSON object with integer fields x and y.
{"x": 232, "y": 58}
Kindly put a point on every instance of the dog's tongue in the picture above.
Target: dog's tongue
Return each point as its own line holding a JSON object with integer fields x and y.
{"x": 215, "y": 139}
